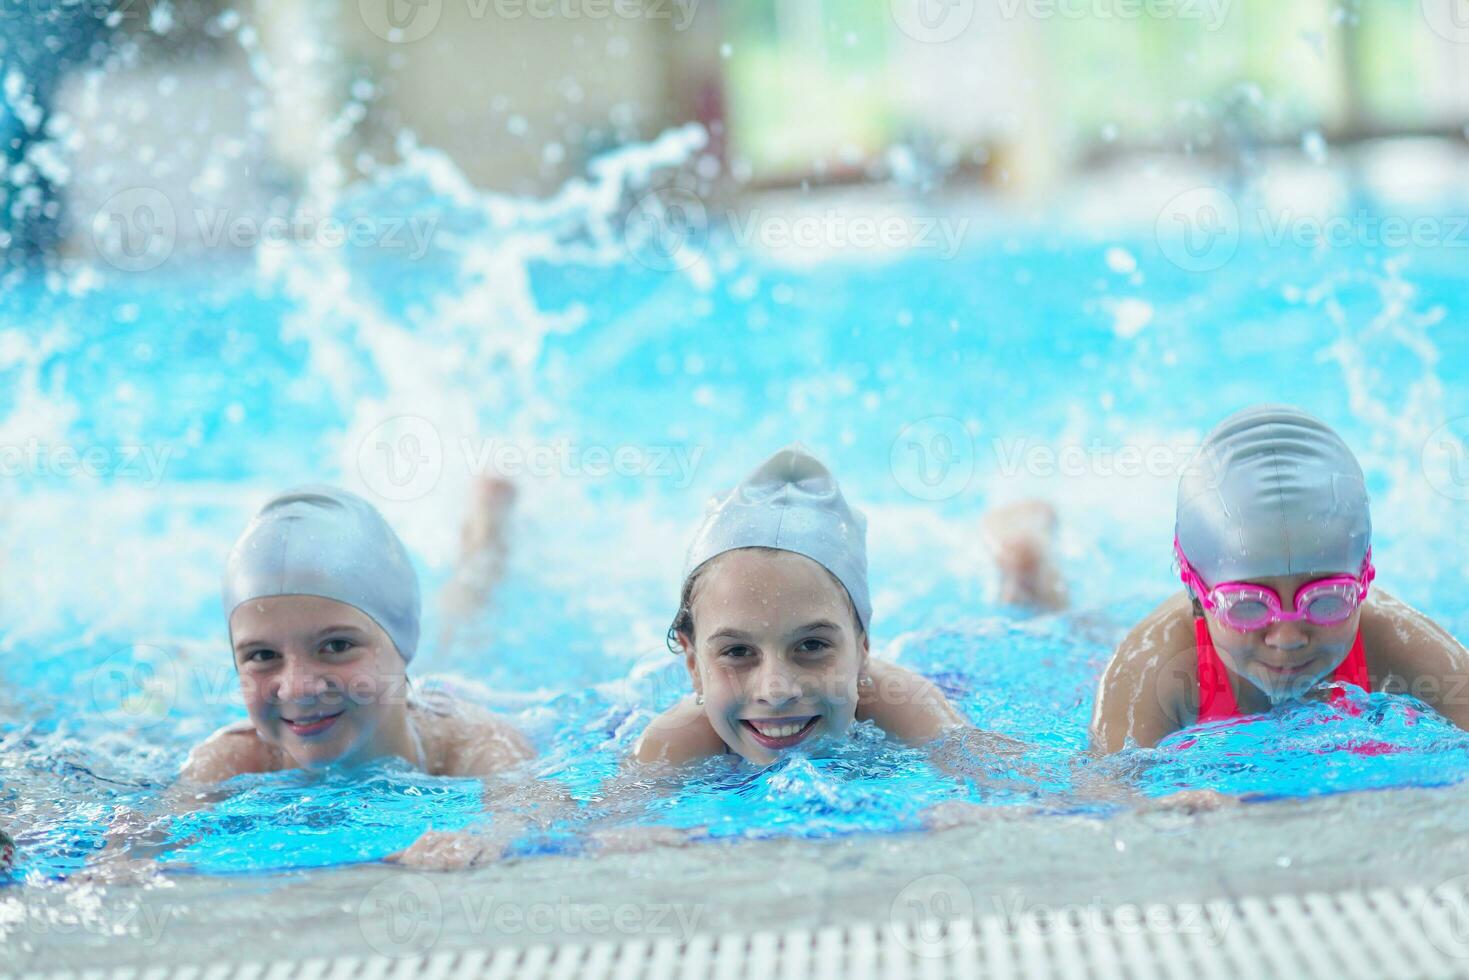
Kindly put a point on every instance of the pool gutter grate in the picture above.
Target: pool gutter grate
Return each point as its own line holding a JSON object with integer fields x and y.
{"x": 1382, "y": 933}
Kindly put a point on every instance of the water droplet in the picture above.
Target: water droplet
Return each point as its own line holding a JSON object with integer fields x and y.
{"x": 1120, "y": 260}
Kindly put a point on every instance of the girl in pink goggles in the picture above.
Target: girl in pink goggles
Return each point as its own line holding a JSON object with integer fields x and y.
{"x": 1247, "y": 606}
{"x": 1272, "y": 497}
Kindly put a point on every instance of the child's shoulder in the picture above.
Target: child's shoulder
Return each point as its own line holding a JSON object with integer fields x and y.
{"x": 1160, "y": 653}
{"x": 680, "y": 734}
{"x": 1387, "y": 618}
{"x": 466, "y": 739}
{"x": 1170, "y": 627}
{"x": 1399, "y": 639}
{"x": 233, "y": 750}
{"x": 1150, "y": 686}
{"x": 905, "y": 704}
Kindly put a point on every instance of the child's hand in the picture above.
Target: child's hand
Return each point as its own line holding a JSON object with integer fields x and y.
{"x": 962, "y": 813}
{"x": 1192, "y": 801}
{"x": 986, "y": 758}
{"x": 450, "y": 850}
{"x": 631, "y": 840}
{"x": 117, "y": 867}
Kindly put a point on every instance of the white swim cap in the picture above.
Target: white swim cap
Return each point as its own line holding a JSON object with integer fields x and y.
{"x": 321, "y": 541}
{"x": 1273, "y": 491}
{"x": 791, "y": 503}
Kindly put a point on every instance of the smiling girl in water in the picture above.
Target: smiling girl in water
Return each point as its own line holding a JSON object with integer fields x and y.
{"x": 1273, "y": 543}
{"x": 773, "y": 629}
{"x": 323, "y": 610}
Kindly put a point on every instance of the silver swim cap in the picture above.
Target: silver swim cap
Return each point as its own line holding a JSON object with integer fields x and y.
{"x": 321, "y": 541}
{"x": 1273, "y": 491}
{"x": 792, "y": 503}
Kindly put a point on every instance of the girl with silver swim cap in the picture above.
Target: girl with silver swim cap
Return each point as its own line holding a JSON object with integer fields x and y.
{"x": 773, "y": 628}
{"x": 1273, "y": 543}
{"x": 323, "y": 609}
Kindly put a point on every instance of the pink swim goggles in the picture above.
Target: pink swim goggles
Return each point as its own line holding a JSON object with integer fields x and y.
{"x": 1244, "y": 606}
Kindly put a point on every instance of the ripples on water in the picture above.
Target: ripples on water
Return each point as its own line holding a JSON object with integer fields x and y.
{"x": 64, "y": 788}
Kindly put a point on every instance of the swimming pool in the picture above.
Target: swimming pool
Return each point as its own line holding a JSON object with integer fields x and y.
{"x": 145, "y": 413}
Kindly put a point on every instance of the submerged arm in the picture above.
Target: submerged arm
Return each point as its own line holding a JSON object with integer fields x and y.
{"x": 491, "y": 749}
{"x": 134, "y": 840}
{"x": 521, "y": 804}
{"x": 911, "y": 708}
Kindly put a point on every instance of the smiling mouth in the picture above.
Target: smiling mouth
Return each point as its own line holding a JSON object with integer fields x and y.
{"x": 311, "y": 724}
{"x": 779, "y": 733}
{"x": 1286, "y": 671}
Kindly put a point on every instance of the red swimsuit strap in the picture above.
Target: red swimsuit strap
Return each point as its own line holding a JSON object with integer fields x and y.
{"x": 1353, "y": 670}
{"x": 1216, "y": 697}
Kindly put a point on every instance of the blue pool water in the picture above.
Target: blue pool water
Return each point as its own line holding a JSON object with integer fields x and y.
{"x": 930, "y": 385}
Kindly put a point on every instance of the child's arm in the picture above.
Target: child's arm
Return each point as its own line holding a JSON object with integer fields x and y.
{"x": 1401, "y": 641}
{"x": 911, "y": 708}
{"x": 229, "y": 752}
{"x": 520, "y": 806}
{"x": 486, "y": 747}
{"x": 981, "y": 757}
{"x": 623, "y": 801}
{"x": 489, "y": 748}
{"x": 1143, "y": 691}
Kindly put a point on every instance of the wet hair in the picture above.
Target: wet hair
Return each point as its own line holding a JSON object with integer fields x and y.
{"x": 683, "y": 620}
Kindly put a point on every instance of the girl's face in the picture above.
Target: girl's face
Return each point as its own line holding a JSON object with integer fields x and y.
{"x": 776, "y": 652}
{"x": 1284, "y": 660}
{"x": 321, "y": 680}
